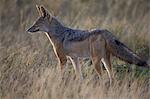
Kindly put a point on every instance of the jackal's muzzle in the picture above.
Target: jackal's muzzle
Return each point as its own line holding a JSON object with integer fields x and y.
{"x": 31, "y": 30}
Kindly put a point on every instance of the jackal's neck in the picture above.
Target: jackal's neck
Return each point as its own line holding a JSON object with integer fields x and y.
{"x": 56, "y": 29}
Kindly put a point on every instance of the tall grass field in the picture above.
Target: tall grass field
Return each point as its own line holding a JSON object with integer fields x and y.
{"x": 29, "y": 68}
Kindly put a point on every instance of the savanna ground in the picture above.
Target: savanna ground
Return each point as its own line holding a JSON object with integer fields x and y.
{"x": 28, "y": 66}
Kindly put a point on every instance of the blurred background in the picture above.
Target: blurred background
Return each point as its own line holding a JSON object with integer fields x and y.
{"x": 28, "y": 66}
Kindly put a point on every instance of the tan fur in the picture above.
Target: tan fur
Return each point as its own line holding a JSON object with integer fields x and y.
{"x": 58, "y": 50}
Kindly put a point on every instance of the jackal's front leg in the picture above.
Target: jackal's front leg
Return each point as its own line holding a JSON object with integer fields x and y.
{"x": 62, "y": 59}
{"x": 77, "y": 67}
{"x": 62, "y": 62}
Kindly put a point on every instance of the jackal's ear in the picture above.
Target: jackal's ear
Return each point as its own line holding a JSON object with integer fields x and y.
{"x": 44, "y": 12}
{"x": 38, "y": 9}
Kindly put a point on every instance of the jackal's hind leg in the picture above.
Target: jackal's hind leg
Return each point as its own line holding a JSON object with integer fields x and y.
{"x": 97, "y": 66}
{"x": 107, "y": 65}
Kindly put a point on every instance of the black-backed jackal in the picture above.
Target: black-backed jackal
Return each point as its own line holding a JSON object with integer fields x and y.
{"x": 77, "y": 44}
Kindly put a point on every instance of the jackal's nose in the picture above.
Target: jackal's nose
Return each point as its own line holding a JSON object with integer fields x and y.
{"x": 32, "y": 29}
{"x": 28, "y": 30}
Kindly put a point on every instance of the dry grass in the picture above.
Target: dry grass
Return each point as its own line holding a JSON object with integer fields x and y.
{"x": 28, "y": 67}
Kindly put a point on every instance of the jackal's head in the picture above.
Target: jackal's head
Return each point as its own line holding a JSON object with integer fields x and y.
{"x": 43, "y": 22}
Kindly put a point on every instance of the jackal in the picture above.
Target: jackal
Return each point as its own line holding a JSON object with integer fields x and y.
{"x": 75, "y": 44}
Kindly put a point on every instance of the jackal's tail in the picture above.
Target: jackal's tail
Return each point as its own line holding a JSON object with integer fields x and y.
{"x": 122, "y": 51}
